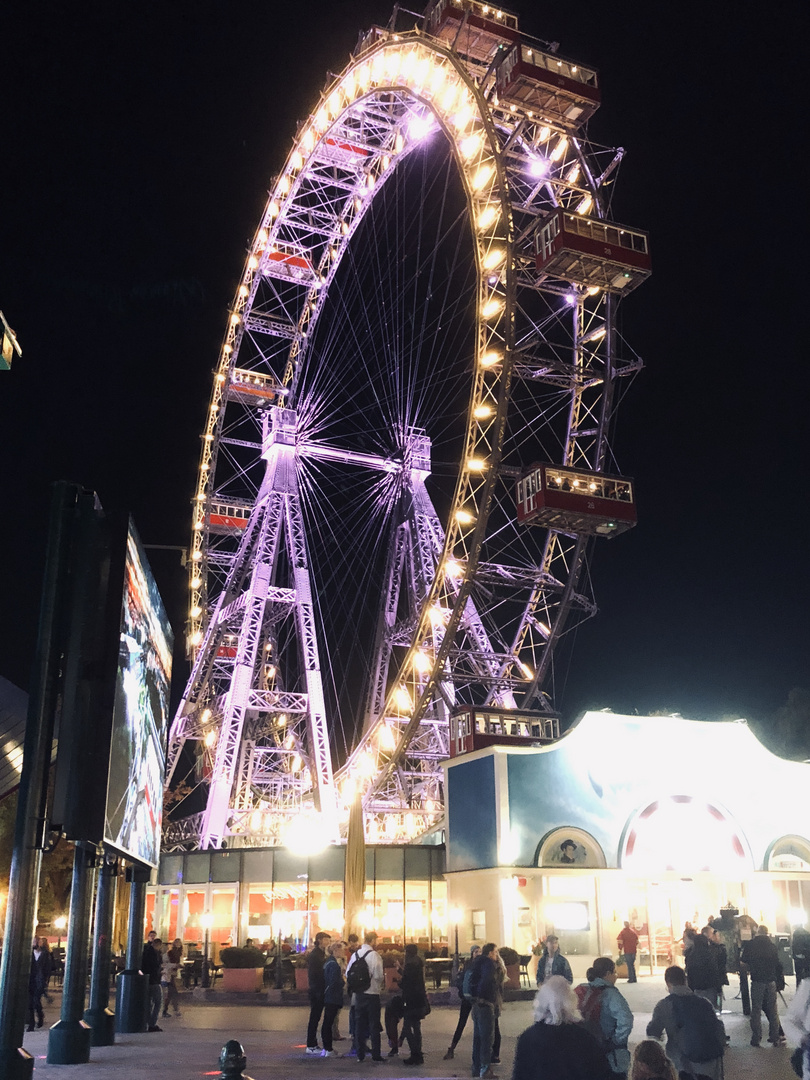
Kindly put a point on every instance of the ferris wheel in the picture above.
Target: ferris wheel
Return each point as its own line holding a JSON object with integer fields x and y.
{"x": 427, "y": 311}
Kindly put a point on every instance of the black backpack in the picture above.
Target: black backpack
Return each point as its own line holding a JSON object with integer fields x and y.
{"x": 700, "y": 1035}
{"x": 358, "y": 976}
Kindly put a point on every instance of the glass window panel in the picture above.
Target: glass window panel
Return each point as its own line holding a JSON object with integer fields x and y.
{"x": 328, "y": 865}
{"x": 288, "y": 866}
{"x": 417, "y": 863}
{"x": 257, "y": 866}
{"x": 198, "y": 867}
{"x": 193, "y": 909}
{"x": 170, "y": 871}
{"x": 389, "y": 864}
{"x": 226, "y": 866}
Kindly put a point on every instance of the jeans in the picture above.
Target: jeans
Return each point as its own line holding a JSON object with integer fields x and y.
{"x": 155, "y": 1002}
{"x": 367, "y": 1019}
{"x": 483, "y": 1014}
{"x": 463, "y": 1017}
{"x": 412, "y": 1032}
{"x": 329, "y": 1016}
{"x": 630, "y": 958}
{"x": 763, "y": 999}
{"x": 315, "y": 1010}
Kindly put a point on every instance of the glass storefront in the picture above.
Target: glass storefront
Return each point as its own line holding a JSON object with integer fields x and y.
{"x": 265, "y": 894}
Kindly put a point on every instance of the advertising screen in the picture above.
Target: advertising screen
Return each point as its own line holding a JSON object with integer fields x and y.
{"x": 133, "y": 814}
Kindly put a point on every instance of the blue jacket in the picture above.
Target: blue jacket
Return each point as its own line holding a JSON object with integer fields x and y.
{"x": 333, "y": 979}
{"x": 617, "y": 1023}
{"x": 559, "y": 966}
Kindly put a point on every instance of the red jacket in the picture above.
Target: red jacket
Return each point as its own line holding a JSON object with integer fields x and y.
{"x": 628, "y": 940}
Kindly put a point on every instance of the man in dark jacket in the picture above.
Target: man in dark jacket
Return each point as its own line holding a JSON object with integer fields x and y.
{"x": 761, "y": 960}
{"x": 317, "y": 988}
{"x": 37, "y": 981}
{"x": 485, "y": 1009}
{"x": 552, "y": 962}
{"x": 801, "y": 953}
{"x": 151, "y": 966}
{"x": 701, "y": 968}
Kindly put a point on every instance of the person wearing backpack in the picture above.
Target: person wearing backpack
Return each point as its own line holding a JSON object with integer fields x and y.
{"x": 606, "y": 1014}
{"x": 463, "y": 985}
{"x": 760, "y": 959}
{"x": 695, "y": 1037}
{"x": 365, "y": 979}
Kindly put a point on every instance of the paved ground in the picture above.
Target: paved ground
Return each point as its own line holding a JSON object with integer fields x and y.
{"x": 272, "y": 1038}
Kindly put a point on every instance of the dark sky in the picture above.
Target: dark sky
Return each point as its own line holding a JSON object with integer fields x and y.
{"x": 139, "y": 143}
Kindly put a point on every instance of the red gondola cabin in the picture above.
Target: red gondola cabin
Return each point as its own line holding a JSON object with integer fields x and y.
{"x": 592, "y": 252}
{"x": 542, "y": 83}
{"x": 575, "y": 500}
{"x": 475, "y": 728}
{"x": 474, "y": 29}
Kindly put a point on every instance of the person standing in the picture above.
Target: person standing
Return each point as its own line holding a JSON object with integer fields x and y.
{"x": 315, "y": 963}
{"x": 719, "y": 955}
{"x": 415, "y": 1003}
{"x": 761, "y": 960}
{"x": 466, "y": 1002}
{"x": 695, "y": 1037}
{"x": 800, "y": 947}
{"x": 367, "y": 1002}
{"x": 152, "y": 967}
{"x": 37, "y": 981}
{"x": 615, "y": 1017}
{"x": 797, "y": 1028}
{"x": 332, "y": 996}
{"x": 628, "y": 943}
{"x": 484, "y": 989}
{"x": 171, "y": 964}
{"x": 552, "y": 962}
{"x": 557, "y": 1046}
{"x": 701, "y": 968}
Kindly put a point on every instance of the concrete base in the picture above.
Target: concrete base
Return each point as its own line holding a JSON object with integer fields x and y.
{"x": 131, "y": 997}
{"x": 69, "y": 1043}
{"x": 102, "y": 1024}
{"x": 17, "y": 1065}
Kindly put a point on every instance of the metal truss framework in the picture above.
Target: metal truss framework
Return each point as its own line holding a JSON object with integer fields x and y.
{"x": 469, "y": 611}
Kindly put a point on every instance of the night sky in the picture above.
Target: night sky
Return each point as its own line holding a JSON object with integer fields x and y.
{"x": 139, "y": 142}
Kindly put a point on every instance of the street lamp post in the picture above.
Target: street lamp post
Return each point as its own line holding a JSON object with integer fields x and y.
{"x": 206, "y": 921}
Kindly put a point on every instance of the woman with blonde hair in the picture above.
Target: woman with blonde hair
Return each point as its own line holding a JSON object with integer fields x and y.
{"x": 650, "y": 1062}
{"x": 558, "y": 1046}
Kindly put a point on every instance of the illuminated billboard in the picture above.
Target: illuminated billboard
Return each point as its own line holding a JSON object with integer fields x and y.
{"x": 133, "y": 813}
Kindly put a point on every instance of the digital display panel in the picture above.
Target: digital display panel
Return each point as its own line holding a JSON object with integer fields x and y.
{"x": 134, "y": 807}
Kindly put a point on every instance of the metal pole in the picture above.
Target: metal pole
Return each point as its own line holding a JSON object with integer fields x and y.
{"x": 69, "y": 1038}
{"x": 100, "y": 1018}
{"x": 15, "y": 1062}
{"x": 456, "y": 961}
{"x": 131, "y": 1013}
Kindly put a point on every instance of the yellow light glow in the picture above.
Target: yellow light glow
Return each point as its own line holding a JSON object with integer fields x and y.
{"x": 422, "y": 662}
{"x": 196, "y": 555}
{"x": 307, "y": 833}
{"x": 490, "y": 359}
{"x": 481, "y": 412}
{"x": 560, "y": 148}
{"x": 283, "y": 185}
{"x": 493, "y": 258}
{"x": 402, "y": 699}
{"x": 470, "y": 146}
{"x": 464, "y": 517}
{"x": 367, "y": 764}
{"x": 437, "y": 78}
{"x": 196, "y": 637}
{"x": 492, "y": 307}
{"x": 387, "y": 740}
{"x": 573, "y": 173}
{"x": 437, "y": 614}
{"x": 253, "y": 263}
{"x": 308, "y": 140}
{"x": 195, "y": 612}
{"x": 527, "y": 671}
{"x": 196, "y": 582}
{"x": 476, "y": 465}
{"x": 543, "y": 135}
{"x": 488, "y": 216}
{"x": 210, "y": 738}
{"x": 454, "y": 570}
{"x": 364, "y": 77}
{"x": 482, "y": 177}
{"x": 585, "y": 204}
{"x": 296, "y": 763}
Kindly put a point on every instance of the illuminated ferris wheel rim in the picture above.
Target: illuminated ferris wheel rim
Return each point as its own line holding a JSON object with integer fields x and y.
{"x": 396, "y": 71}
{"x": 435, "y": 78}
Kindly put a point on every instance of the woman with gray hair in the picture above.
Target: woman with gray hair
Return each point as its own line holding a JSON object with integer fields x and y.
{"x": 557, "y": 1046}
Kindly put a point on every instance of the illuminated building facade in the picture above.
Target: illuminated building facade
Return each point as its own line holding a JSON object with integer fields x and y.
{"x": 657, "y": 820}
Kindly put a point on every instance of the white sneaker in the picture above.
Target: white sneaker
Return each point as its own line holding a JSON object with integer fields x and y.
{"x": 314, "y": 1051}
{"x": 329, "y": 1053}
